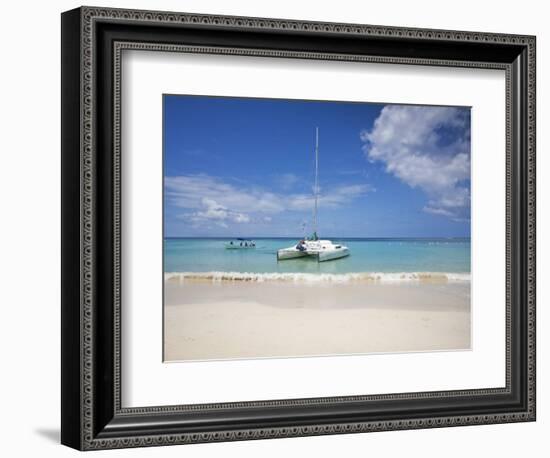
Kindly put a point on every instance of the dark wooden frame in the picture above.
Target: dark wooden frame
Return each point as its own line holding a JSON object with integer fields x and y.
{"x": 92, "y": 42}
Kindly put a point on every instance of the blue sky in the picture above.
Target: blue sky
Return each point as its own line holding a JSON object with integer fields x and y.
{"x": 245, "y": 167}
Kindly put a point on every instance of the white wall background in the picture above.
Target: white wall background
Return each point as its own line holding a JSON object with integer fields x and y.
{"x": 30, "y": 240}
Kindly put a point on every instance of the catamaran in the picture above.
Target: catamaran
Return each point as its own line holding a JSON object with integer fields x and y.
{"x": 322, "y": 250}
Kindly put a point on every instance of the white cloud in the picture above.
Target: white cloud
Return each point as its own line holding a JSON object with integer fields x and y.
{"x": 241, "y": 218}
{"x": 190, "y": 191}
{"x": 409, "y": 141}
{"x": 286, "y": 181}
{"x": 213, "y": 211}
{"x": 332, "y": 198}
{"x": 209, "y": 199}
{"x": 437, "y": 211}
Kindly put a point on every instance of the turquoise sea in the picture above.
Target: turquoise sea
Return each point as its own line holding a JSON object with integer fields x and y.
{"x": 368, "y": 255}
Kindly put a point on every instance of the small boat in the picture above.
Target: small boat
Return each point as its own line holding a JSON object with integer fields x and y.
{"x": 240, "y": 244}
{"x": 322, "y": 250}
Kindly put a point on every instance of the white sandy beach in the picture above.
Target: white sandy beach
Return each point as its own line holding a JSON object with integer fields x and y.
{"x": 228, "y": 319}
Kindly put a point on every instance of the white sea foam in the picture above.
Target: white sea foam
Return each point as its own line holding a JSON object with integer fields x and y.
{"x": 375, "y": 277}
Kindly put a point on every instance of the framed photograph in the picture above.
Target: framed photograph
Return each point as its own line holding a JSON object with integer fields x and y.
{"x": 276, "y": 228}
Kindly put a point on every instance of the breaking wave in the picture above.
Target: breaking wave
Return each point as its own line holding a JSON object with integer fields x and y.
{"x": 374, "y": 277}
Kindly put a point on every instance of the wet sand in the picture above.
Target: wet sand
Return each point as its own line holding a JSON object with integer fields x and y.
{"x": 227, "y": 320}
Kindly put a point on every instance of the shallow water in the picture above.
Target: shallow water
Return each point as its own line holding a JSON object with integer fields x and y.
{"x": 367, "y": 255}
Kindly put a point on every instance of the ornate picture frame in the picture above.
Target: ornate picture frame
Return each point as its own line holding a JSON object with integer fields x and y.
{"x": 93, "y": 416}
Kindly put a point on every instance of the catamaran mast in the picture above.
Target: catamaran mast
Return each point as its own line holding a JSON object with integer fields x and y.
{"x": 316, "y": 189}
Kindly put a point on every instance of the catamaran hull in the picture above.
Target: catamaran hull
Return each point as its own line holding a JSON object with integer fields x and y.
{"x": 321, "y": 256}
{"x": 332, "y": 254}
{"x": 290, "y": 253}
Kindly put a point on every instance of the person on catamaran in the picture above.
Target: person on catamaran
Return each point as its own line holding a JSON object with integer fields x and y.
{"x": 301, "y": 246}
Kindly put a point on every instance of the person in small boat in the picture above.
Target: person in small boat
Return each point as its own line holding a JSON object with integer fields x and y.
{"x": 231, "y": 243}
{"x": 301, "y": 245}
